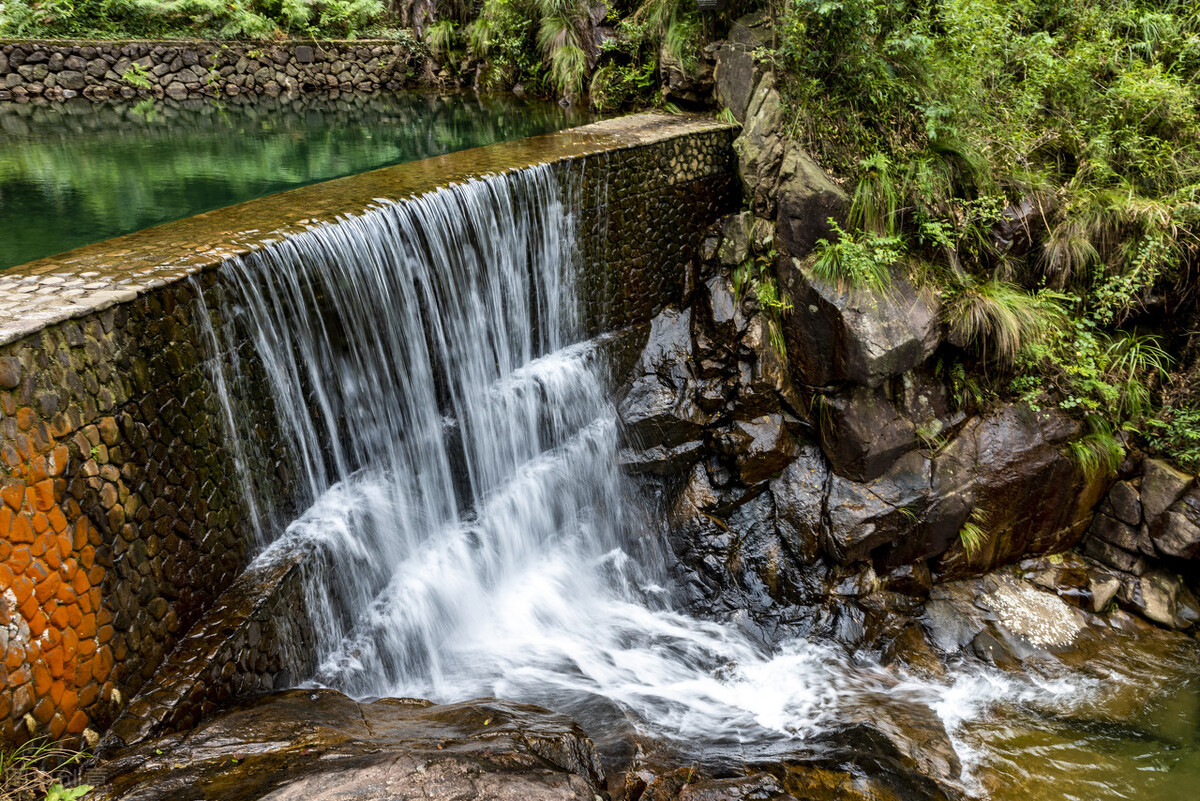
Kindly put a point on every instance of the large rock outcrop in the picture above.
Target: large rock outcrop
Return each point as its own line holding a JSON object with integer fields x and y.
{"x": 782, "y": 182}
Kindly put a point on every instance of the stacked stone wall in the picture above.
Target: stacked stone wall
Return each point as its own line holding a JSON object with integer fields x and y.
{"x": 60, "y": 70}
{"x": 122, "y": 518}
{"x": 122, "y": 513}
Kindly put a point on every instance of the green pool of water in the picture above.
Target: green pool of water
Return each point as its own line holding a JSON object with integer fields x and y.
{"x": 78, "y": 172}
{"x": 1134, "y": 735}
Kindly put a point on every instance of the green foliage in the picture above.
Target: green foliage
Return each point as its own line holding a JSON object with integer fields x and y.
{"x": 997, "y": 320}
{"x": 757, "y": 275}
{"x": 1098, "y": 453}
{"x": 136, "y": 76}
{"x": 59, "y": 793}
{"x": 1176, "y": 431}
{"x": 37, "y": 770}
{"x": 973, "y": 534}
{"x": 1071, "y": 128}
{"x": 854, "y": 262}
{"x": 222, "y": 19}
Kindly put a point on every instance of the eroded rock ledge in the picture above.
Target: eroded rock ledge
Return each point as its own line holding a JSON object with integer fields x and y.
{"x": 320, "y": 745}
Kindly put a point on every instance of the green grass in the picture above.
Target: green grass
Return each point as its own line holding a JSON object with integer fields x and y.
{"x": 40, "y": 770}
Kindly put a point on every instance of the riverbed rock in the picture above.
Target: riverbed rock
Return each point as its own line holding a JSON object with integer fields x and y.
{"x": 835, "y": 335}
{"x": 320, "y": 745}
{"x": 1161, "y": 597}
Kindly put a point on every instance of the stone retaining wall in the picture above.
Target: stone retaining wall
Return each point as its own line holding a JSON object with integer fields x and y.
{"x": 59, "y": 70}
{"x": 122, "y": 516}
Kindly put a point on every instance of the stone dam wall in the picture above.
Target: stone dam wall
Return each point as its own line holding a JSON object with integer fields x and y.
{"x": 60, "y": 70}
{"x": 122, "y": 524}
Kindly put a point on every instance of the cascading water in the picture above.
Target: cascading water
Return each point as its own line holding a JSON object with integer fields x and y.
{"x": 454, "y": 448}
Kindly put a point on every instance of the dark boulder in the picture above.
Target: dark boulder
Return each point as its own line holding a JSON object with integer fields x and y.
{"x": 855, "y": 336}
{"x": 1011, "y": 465}
{"x": 1162, "y": 485}
{"x": 865, "y": 515}
{"x": 805, "y": 201}
{"x": 661, "y": 425}
{"x": 320, "y": 745}
{"x": 799, "y": 493}
{"x": 863, "y": 434}
{"x": 766, "y": 447}
{"x": 1177, "y": 531}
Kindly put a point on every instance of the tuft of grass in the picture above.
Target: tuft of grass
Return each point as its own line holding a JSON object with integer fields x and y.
{"x": 997, "y": 320}
{"x": 876, "y": 197}
{"x": 441, "y": 37}
{"x": 39, "y": 769}
{"x": 972, "y": 533}
{"x": 862, "y": 262}
{"x": 1098, "y": 453}
{"x": 726, "y": 116}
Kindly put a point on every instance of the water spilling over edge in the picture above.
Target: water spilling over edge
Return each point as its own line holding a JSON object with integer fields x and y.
{"x": 454, "y": 447}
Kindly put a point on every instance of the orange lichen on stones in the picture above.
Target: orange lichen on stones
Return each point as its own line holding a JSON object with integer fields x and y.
{"x": 13, "y": 495}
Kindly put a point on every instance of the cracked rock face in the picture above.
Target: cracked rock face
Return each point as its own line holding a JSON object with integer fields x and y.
{"x": 320, "y": 745}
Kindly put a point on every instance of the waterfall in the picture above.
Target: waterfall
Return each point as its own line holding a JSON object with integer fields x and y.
{"x": 450, "y": 438}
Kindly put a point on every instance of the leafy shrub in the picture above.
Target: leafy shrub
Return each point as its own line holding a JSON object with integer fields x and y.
{"x": 852, "y": 262}
{"x": 225, "y": 19}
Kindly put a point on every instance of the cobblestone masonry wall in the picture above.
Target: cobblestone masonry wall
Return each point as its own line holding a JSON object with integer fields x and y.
{"x": 122, "y": 520}
{"x": 58, "y": 70}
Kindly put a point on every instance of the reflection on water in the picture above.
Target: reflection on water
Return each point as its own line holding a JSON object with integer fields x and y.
{"x": 78, "y": 172}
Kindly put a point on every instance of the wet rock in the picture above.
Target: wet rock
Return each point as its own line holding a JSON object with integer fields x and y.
{"x": 854, "y": 336}
{"x": 1103, "y": 588}
{"x": 661, "y": 425}
{"x": 1032, "y": 498}
{"x": 862, "y": 434}
{"x": 1177, "y": 531}
{"x": 1161, "y": 597}
{"x": 1162, "y": 485}
{"x": 865, "y": 516}
{"x": 911, "y": 579}
{"x": 887, "y": 750}
{"x": 768, "y": 448}
{"x": 799, "y": 493}
{"x": 758, "y": 787}
{"x": 736, "y": 72}
{"x": 319, "y": 744}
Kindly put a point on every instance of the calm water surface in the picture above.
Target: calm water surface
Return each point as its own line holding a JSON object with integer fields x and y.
{"x": 78, "y": 172}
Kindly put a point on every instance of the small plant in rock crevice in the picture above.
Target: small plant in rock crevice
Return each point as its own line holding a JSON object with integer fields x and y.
{"x": 973, "y": 532}
{"x": 39, "y": 770}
